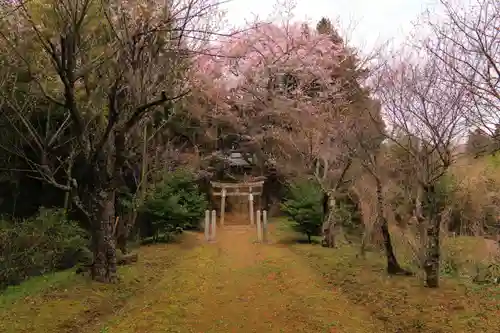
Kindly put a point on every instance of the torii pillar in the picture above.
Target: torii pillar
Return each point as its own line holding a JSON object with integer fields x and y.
{"x": 222, "y": 206}
{"x": 250, "y": 206}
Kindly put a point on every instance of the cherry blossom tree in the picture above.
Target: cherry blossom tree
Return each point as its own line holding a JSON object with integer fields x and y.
{"x": 279, "y": 85}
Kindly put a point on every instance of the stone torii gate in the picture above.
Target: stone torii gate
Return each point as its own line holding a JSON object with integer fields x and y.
{"x": 248, "y": 189}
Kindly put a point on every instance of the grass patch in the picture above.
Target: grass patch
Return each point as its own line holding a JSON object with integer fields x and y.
{"x": 36, "y": 285}
{"x": 283, "y": 233}
{"x": 401, "y": 303}
{"x": 67, "y": 302}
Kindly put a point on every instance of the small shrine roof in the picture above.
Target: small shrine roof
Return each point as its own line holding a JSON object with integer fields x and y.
{"x": 236, "y": 159}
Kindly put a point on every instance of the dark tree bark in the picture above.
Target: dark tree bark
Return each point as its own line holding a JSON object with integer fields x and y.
{"x": 104, "y": 265}
{"x": 324, "y": 203}
{"x": 328, "y": 228}
{"x": 272, "y": 189}
{"x": 393, "y": 267}
{"x": 122, "y": 232}
{"x": 433, "y": 251}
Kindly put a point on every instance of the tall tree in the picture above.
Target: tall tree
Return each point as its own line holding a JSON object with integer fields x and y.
{"x": 107, "y": 66}
{"x": 350, "y": 74}
{"x": 425, "y": 114}
{"x": 363, "y": 143}
{"x": 366, "y": 148}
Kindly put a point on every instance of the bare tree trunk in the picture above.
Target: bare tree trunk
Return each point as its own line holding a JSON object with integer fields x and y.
{"x": 393, "y": 267}
{"x": 433, "y": 251}
{"x": 364, "y": 242}
{"x": 123, "y": 226}
{"x": 143, "y": 179}
{"x": 67, "y": 201}
{"x": 431, "y": 265}
{"x": 122, "y": 232}
{"x": 328, "y": 227}
{"x": 104, "y": 265}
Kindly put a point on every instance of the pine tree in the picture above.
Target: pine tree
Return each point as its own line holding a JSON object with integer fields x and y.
{"x": 325, "y": 27}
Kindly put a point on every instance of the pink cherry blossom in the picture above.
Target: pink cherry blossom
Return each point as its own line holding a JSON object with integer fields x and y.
{"x": 245, "y": 86}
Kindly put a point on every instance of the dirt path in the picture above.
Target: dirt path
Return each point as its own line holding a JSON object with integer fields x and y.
{"x": 235, "y": 285}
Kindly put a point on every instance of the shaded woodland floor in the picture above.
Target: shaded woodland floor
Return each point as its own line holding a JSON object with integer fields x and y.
{"x": 236, "y": 285}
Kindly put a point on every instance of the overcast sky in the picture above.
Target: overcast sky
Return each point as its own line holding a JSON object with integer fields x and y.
{"x": 377, "y": 20}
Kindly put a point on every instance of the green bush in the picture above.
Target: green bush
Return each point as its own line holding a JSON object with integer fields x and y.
{"x": 487, "y": 273}
{"x": 348, "y": 215}
{"x": 303, "y": 205}
{"x": 38, "y": 245}
{"x": 176, "y": 204}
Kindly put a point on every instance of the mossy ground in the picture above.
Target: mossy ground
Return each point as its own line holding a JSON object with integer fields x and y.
{"x": 235, "y": 285}
{"x": 402, "y": 304}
